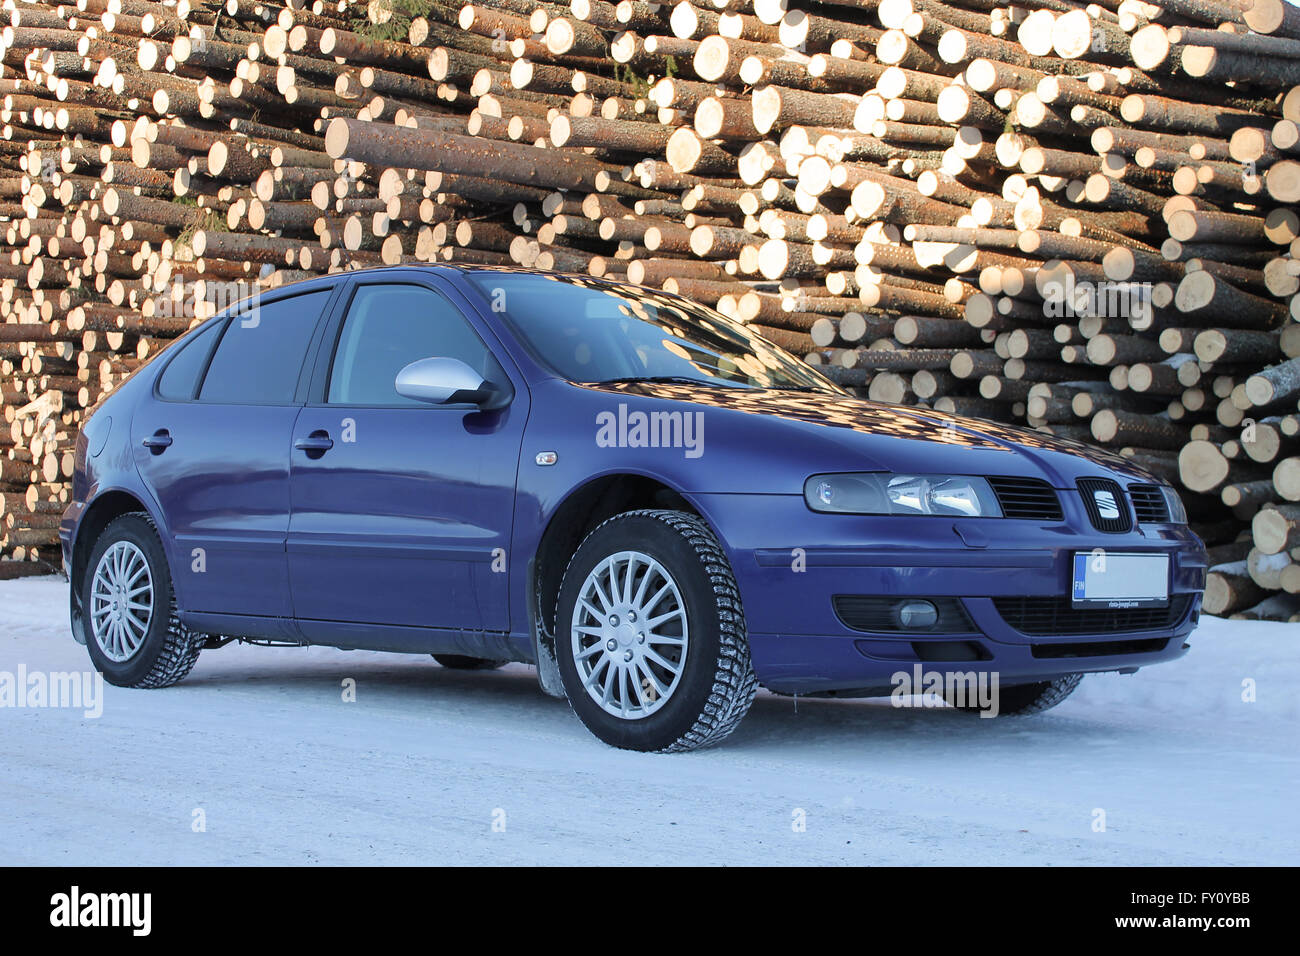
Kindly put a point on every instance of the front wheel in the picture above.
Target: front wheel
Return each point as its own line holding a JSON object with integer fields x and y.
{"x": 650, "y": 634}
{"x": 133, "y": 634}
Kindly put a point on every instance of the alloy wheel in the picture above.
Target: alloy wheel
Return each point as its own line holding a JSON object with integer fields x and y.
{"x": 122, "y": 605}
{"x": 630, "y": 635}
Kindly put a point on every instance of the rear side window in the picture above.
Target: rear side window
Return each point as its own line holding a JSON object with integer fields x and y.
{"x": 180, "y": 379}
{"x": 261, "y": 354}
{"x": 390, "y": 326}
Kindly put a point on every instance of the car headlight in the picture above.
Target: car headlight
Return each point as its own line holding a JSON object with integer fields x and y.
{"x": 1177, "y": 511}
{"x": 873, "y": 493}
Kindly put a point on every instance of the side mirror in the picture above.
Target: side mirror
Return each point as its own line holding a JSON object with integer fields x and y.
{"x": 443, "y": 381}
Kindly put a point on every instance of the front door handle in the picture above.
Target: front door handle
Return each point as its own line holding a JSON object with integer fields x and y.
{"x": 315, "y": 444}
{"x": 158, "y": 442}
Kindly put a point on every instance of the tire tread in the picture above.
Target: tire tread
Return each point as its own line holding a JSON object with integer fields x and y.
{"x": 1052, "y": 694}
{"x": 1019, "y": 701}
{"x": 734, "y": 681}
{"x": 181, "y": 647}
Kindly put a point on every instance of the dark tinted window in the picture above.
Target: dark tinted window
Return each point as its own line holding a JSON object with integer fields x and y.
{"x": 592, "y": 331}
{"x": 261, "y": 354}
{"x": 390, "y": 326}
{"x": 180, "y": 379}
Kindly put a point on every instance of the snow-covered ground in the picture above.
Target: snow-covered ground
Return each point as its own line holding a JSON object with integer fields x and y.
{"x": 259, "y": 753}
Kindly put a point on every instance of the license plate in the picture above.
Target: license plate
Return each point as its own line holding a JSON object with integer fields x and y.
{"x": 1103, "y": 579}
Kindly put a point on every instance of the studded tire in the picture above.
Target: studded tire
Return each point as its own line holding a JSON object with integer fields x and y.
{"x": 169, "y": 649}
{"x": 1025, "y": 700}
{"x": 717, "y": 682}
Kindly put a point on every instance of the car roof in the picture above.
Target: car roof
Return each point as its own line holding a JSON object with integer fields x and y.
{"x": 450, "y": 268}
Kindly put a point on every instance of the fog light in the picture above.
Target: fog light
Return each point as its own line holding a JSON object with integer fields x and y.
{"x": 918, "y": 614}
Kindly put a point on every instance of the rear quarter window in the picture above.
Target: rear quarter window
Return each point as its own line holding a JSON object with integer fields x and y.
{"x": 180, "y": 378}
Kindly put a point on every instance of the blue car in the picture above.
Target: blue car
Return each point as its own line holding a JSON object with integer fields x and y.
{"x": 655, "y": 507}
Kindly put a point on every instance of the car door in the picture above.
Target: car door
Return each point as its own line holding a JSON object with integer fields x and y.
{"x": 212, "y": 445}
{"x": 401, "y": 510}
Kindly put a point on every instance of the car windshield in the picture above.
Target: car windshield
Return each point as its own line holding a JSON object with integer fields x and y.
{"x": 594, "y": 331}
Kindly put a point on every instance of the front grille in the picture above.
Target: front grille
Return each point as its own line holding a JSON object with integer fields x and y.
{"x": 1103, "y": 499}
{"x": 1050, "y": 616}
{"x": 862, "y": 612}
{"x": 1026, "y": 498}
{"x": 1149, "y": 505}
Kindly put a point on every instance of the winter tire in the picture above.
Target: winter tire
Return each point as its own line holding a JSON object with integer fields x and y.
{"x": 133, "y": 633}
{"x": 1023, "y": 700}
{"x": 650, "y": 634}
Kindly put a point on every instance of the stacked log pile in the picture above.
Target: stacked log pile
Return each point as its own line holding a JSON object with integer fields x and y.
{"x": 1079, "y": 217}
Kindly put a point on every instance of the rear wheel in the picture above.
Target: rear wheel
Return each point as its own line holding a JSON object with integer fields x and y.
{"x": 650, "y": 634}
{"x": 1023, "y": 700}
{"x": 133, "y": 633}
{"x": 459, "y": 662}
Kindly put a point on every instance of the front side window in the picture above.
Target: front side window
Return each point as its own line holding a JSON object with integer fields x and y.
{"x": 261, "y": 354}
{"x": 390, "y": 326}
{"x": 596, "y": 331}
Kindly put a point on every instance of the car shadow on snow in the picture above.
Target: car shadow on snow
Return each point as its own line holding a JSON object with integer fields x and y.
{"x": 411, "y": 686}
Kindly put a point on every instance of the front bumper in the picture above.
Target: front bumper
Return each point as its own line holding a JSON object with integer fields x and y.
{"x": 790, "y": 563}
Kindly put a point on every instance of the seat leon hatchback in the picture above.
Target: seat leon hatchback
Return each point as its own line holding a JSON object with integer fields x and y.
{"x": 655, "y": 507}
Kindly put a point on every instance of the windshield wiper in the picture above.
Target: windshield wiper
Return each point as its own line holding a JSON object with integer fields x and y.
{"x": 671, "y": 380}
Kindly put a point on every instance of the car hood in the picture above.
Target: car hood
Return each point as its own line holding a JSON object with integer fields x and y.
{"x": 897, "y": 437}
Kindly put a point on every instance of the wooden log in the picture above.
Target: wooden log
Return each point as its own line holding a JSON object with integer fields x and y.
{"x": 451, "y": 153}
{"x": 1229, "y": 588}
{"x": 1275, "y": 384}
{"x": 1276, "y": 529}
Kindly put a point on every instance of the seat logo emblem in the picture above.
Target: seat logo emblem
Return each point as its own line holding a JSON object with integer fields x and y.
{"x": 1107, "y": 508}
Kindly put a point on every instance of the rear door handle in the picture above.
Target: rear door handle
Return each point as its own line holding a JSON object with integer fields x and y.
{"x": 315, "y": 444}
{"x": 158, "y": 442}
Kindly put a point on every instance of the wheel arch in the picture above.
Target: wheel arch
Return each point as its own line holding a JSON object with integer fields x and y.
{"x": 576, "y": 516}
{"x": 103, "y": 509}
